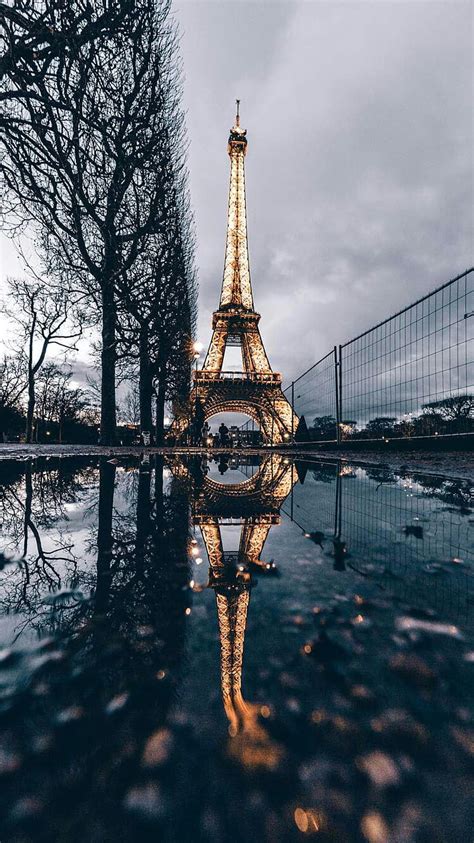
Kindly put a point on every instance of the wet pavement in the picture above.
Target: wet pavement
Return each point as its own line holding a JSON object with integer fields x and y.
{"x": 240, "y": 649}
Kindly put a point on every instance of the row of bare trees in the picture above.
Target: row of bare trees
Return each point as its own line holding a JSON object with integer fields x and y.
{"x": 451, "y": 415}
{"x": 94, "y": 166}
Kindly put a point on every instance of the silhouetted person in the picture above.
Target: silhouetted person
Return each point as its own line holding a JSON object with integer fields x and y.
{"x": 223, "y": 464}
{"x": 205, "y": 431}
{"x": 224, "y": 435}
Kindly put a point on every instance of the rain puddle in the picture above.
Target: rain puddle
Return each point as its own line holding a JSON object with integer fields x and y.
{"x": 240, "y": 648}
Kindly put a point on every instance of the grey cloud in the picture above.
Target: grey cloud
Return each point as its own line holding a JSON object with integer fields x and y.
{"x": 359, "y": 165}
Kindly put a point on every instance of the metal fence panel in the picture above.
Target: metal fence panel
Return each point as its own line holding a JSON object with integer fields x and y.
{"x": 413, "y": 374}
{"x": 410, "y": 375}
{"x": 313, "y": 397}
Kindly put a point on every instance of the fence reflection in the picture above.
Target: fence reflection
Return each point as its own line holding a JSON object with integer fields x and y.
{"x": 409, "y": 532}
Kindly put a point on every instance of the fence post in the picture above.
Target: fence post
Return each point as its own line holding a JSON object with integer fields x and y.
{"x": 340, "y": 383}
{"x": 292, "y": 411}
{"x": 338, "y": 413}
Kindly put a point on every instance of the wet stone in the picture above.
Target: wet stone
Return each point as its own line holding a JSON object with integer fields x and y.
{"x": 380, "y": 768}
{"x": 158, "y": 748}
{"x": 374, "y": 828}
{"x": 9, "y": 761}
{"x": 146, "y": 801}
{"x": 414, "y": 670}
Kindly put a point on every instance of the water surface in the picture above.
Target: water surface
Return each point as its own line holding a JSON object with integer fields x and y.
{"x": 244, "y": 648}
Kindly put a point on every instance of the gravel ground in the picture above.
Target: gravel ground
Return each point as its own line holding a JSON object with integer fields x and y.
{"x": 453, "y": 463}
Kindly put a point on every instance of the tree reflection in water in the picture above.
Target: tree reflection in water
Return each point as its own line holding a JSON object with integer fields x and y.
{"x": 96, "y": 692}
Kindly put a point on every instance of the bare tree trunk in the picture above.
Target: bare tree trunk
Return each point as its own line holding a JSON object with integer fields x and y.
{"x": 145, "y": 384}
{"x": 143, "y": 516}
{"x": 31, "y": 400}
{"x": 160, "y": 410}
{"x": 104, "y": 535}
{"x": 108, "y": 360}
{"x": 28, "y": 505}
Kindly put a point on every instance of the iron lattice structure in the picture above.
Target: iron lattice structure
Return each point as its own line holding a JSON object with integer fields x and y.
{"x": 230, "y": 575}
{"x": 256, "y": 390}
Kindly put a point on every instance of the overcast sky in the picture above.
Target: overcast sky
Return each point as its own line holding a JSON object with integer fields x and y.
{"x": 359, "y": 164}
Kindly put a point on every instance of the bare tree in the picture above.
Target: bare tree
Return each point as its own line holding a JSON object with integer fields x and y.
{"x": 45, "y": 317}
{"x": 131, "y": 406}
{"x": 161, "y": 301}
{"x": 12, "y": 387}
{"x": 12, "y": 380}
{"x": 86, "y": 95}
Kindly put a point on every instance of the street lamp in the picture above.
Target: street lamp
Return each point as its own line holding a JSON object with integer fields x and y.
{"x": 197, "y": 348}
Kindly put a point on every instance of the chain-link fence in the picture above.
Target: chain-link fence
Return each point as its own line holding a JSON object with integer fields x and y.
{"x": 411, "y": 375}
{"x": 313, "y": 397}
{"x": 249, "y": 434}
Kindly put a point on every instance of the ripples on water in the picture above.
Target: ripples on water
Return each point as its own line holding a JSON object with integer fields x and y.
{"x": 239, "y": 649}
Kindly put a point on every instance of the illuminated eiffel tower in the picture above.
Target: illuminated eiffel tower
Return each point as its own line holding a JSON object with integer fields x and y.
{"x": 256, "y": 390}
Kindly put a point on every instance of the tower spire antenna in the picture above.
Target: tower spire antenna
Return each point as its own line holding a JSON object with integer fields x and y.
{"x": 237, "y": 115}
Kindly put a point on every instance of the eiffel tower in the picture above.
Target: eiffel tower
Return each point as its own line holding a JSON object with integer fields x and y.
{"x": 256, "y": 391}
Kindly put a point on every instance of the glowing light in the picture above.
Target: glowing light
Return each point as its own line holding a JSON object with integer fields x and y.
{"x": 197, "y": 347}
{"x": 188, "y": 611}
{"x": 307, "y": 820}
{"x": 198, "y": 560}
{"x": 194, "y": 550}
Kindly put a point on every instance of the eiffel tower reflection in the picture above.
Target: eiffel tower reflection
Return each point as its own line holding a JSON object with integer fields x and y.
{"x": 255, "y": 505}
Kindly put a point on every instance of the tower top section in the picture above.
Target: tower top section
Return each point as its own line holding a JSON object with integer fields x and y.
{"x": 236, "y": 285}
{"x": 237, "y": 136}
